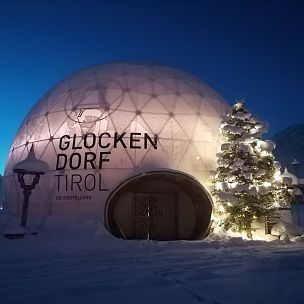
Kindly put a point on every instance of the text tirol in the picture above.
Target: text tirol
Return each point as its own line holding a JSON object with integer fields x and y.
{"x": 105, "y": 142}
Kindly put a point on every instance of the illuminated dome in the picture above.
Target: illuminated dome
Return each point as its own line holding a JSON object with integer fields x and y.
{"x": 110, "y": 122}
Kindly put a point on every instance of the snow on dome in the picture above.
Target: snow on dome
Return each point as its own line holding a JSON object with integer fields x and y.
{"x": 108, "y": 122}
{"x": 292, "y": 177}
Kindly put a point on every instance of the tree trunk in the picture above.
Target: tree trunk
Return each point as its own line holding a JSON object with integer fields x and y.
{"x": 248, "y": 229}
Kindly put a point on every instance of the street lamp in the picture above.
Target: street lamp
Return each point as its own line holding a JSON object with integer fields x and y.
{"x": 34, "y": 168}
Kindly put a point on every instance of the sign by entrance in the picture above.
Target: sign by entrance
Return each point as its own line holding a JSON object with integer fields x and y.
{"x": 154, "y": 215}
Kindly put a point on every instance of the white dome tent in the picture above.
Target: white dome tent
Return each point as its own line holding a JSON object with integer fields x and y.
{"x": 111, "y": 123}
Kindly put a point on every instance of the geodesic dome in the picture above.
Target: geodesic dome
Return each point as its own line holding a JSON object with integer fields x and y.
{"x": 109, "y": 122}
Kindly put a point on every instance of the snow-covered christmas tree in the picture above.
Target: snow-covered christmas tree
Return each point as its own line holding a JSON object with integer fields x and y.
{"x": 247, "y": 181}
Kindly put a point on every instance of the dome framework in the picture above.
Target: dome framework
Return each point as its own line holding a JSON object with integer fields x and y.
{"x": 108, "y": 122}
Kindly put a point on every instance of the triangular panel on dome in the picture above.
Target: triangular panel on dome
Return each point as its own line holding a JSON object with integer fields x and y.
{"x": 144, "y": 88}
{"x": 140, "y": 100}
{"x": 21, "y": 136}
{"x": 75, "y": 99}
{"x": 21, "y": 152}
{"x": 184, "y": 106}
{"x": 63, "y": 128}
{"x": 180, "y": 147}
{"x": 126, "y": 103}
{"x": 104, "y": 75}
{"x": 120, "y": 158}
{"x": 170, "y": 84}
{"x": 173, "y": 130}
{"x": 187, "y": 122}
{"x": 200, "y": 147}
{"x": 47, "y": 151}
{"x": 138, "y": 125}
{"x": 201, "y": 132}
{"x": 119, "y": 80}
{"x": 102, "y": 90}
{"x": 113, "y": 89}
{"x": 85, "y": 85}
{"x": 159, "y": 89}
{"x": 155, "y": 122}
{"x": 140, "y": 154}
{"x": 26, "y": 133}
{"x": 154, "y": 106}
{"x": 189, "y": 159}
{"x": 193, "y": 84}
{"x": 193, "y": 100}
{"x": 130, "y": 82}
{"x": 156, "y": 158}
{"x": 37, "y": 129}
{"x": 91, "y": 97}
{"x": 121, "y": 120}
{"x": 184, "y": 87}
{"x": 41, "y": 149}
{"x": 166, "y": 146}
{"x": 168, "y": 101}
{"x": 38, "y": 111}
{"x": 205, "y": 155}
{"x": 54, "y": 123}
{"x": 143, "y": 156}
{"x": 58, "y": 102}
{"x": 12, "y": 159}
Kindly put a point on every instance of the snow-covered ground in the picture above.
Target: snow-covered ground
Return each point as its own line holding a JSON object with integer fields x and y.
{"x": 73, "y": 261}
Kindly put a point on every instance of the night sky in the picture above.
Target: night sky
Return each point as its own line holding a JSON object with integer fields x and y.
{"x": 242, "y": 49}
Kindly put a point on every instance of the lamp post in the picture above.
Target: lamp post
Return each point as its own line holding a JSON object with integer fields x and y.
{"x": 34, "y": 168}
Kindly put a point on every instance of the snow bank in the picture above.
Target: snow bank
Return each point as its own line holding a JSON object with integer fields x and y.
{"x": 283, "y": 229}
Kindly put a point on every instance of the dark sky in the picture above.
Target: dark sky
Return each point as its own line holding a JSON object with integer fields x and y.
{"x": 248, "y": 49}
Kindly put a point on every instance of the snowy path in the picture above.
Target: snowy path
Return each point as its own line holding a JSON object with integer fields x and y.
{"x": 77, "y": 268}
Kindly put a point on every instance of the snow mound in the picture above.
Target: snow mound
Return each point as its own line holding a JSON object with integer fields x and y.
{"x": 283, "y": 229}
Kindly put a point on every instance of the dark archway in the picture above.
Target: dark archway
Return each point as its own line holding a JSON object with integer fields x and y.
{"x": 159, "y": 205}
